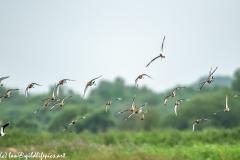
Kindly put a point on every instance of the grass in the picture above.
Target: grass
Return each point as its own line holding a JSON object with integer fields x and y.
{"x": 166, "y": 145}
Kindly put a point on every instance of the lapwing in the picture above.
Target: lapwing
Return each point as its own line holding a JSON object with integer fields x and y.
{"x": 2, "y": 129}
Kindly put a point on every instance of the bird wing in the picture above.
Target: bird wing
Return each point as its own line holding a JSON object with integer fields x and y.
{"x": 152, "y": 60}
{"x": 53, "y": 106}
{"x": 193, "y": 127}
{"x": 67, "y": 126}
{"x": 201, "y": 86}
{"x": 26, "y": 92}
{"x": 145, "y": 112}
{"x": 142, "y": 106}
{"x": 106, "y": 109}
{"x": 175, "y": 109}
{"x": 213, "y": 71}
{"x": 85, "y": 90}
{"x": 122, "y": 111}
{"x": 162, "y": 44}
{"x": 218, "y": 112}
{"x": 226, "y": 101}
{"x": 147, "y": 75}
{"x": 165, "y": 99}
{"x": 3, "y": 127}
{"x": 36, "y": 84}
{"x": 38, "y": 109}
{"x": 3, "y": 78}
{"x": 136, "y": 82}
{"x": 177, "y": 88}
{"x": 58, "y": 86}
{"x": 129, "y": 116}
{"x": 133, "y": 105}
{"x": 81, "y": 118}
{"x": 96, "y": 78}
{"x": 117, "y": 99}
{"x": 66, "y": 98}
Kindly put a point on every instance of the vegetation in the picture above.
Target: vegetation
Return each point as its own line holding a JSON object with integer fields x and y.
{"x": 167, "y": 144}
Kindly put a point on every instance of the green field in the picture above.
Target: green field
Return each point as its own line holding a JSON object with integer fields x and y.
{"x": 211, "y": 144}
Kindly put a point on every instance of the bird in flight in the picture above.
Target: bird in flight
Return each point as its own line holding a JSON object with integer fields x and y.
{"x": 61, "y": 104}
{"x": 52, "y": 98}
{"x": 74, "y": 122}
{"x": 61, "y": 82}
{"x": 177, "y": 103}
{"x": 30, "y": 86}
{"x": 142, "y": 117}
{"x": 132, "y": 108}
{"x": 7, "y": 95}
{"x": 140, "y": 77}
{"x": 90, "y": 83}
{"x": 161, "y": 54}
{"x": 2, "y": 129}
{"x": 110, "y": 102}
{"x": 226, "y": 109}
{"x": 2, "y": 79}
{"x": 44, "y": 105}
{"x": 208, "y": 80}
{"x": 198, "y": 121}
{"x": 173, "y": 94}
{"x": 136, "y": 111}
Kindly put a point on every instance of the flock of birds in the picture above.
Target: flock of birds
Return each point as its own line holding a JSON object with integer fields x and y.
{"x": 133, "y": 108}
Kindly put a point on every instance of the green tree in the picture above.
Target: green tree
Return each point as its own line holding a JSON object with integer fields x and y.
{"x": 236, "y": 80}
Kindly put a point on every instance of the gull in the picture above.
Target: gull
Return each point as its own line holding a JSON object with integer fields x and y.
{"x": 2, "y": 129}
{"x": 44, "y": 105}
{"x": 2, "y": 79}
{"x": 140, "y": 77}
{"x": 173, "y": 94}
{"x": 52, "y": 98}
{"x": 132, "y": 108}
{"x": 74, "y": 122}
{"x": 30, "y": 86}
{"x": 90, "y": 83}
{"x": 61, "y": 104}
{"x": 136, "y": 111}
{"x": 109, "y": 103}
{"x": 198, "y": 121}
{"x": 161, "y": 54}
{"x": 208, "y": 80}
{"x": 226, "y": 109}
{"x": 7, "y": 95}
{"x": 61, "y": 82}
{"x": 142, "y": 117}
{"x": 177, "y": 103}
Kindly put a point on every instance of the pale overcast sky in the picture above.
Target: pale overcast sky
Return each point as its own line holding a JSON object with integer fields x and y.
{"x": 45, "y": 41}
